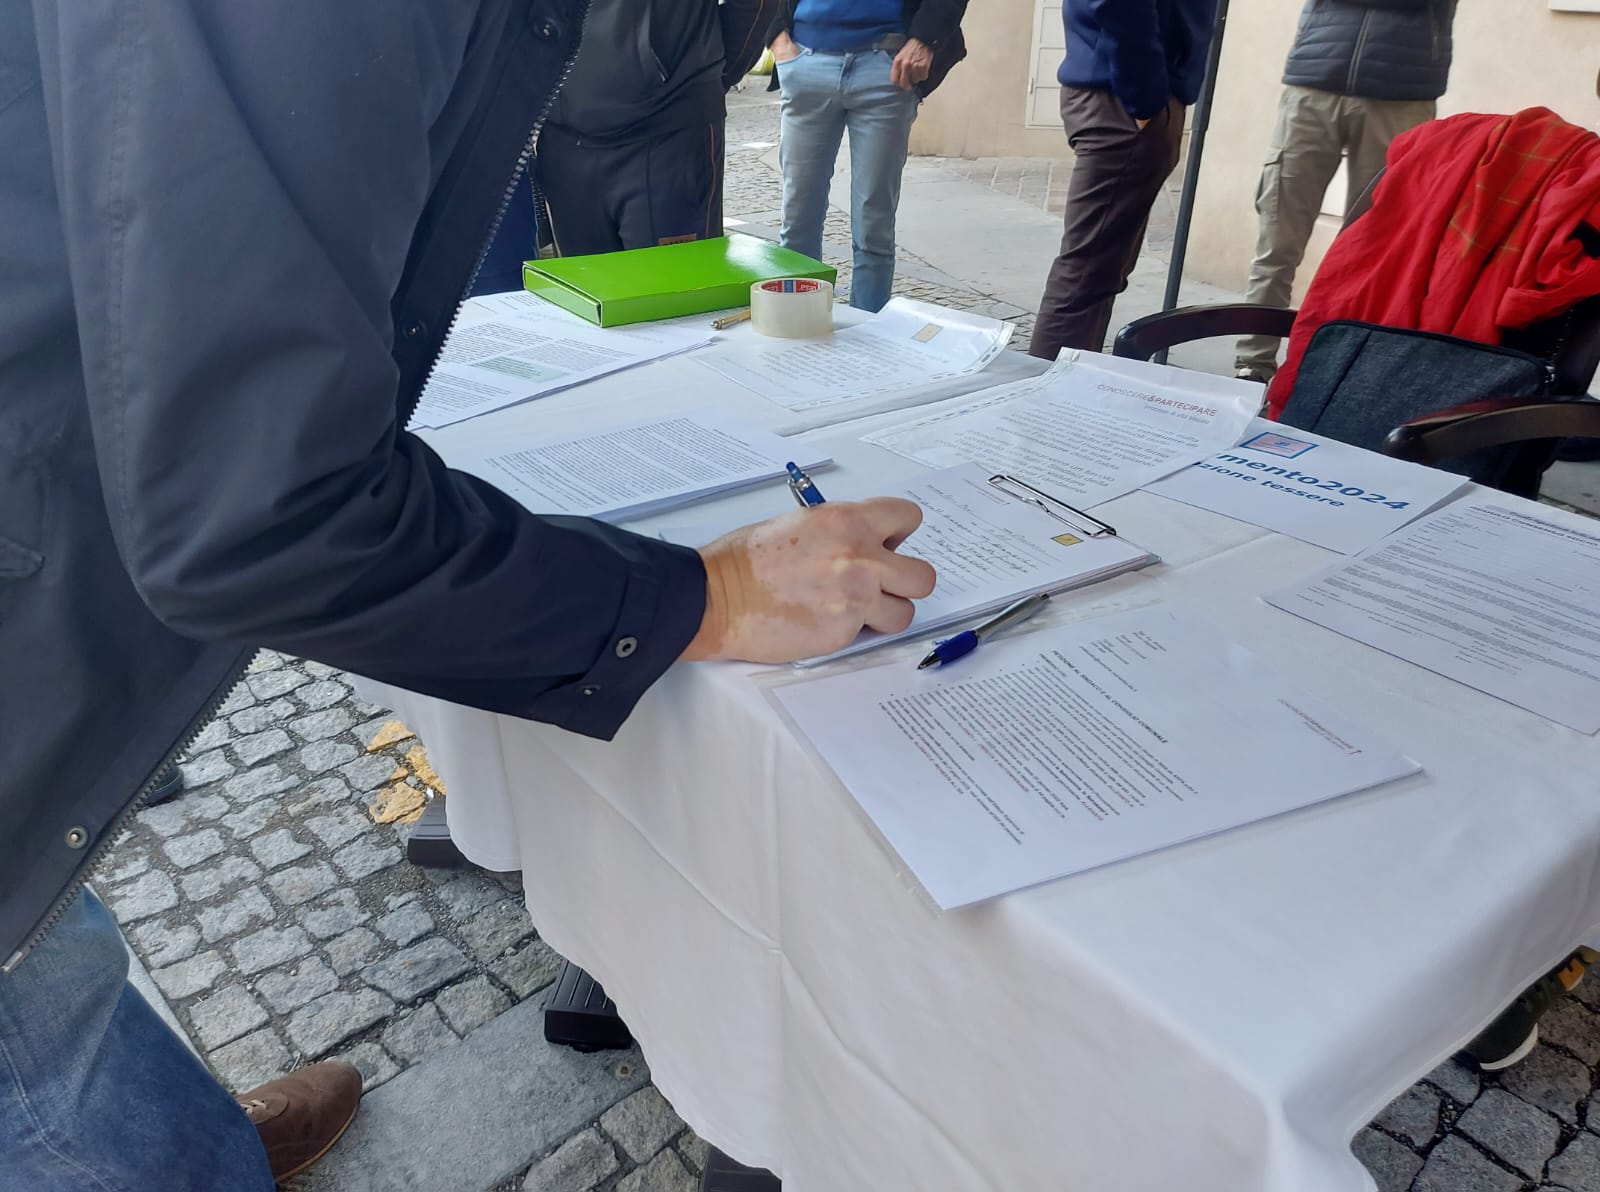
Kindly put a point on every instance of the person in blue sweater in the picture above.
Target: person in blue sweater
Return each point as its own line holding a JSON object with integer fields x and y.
{"x": 1131, "y": 70}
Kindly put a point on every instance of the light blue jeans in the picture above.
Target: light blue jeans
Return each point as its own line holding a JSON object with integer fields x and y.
{"x": 824, "y": 94}
{"x": 96, "y": 1093}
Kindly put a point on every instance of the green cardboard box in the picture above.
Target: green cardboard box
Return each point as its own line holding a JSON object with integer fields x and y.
{"x": 641, "y": 284}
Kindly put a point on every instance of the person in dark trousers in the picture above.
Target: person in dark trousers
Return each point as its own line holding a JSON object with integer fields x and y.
{"x": 235, "y": 238}
{"x": 1131, "y": 70}
{"x": 1360, "y": 73}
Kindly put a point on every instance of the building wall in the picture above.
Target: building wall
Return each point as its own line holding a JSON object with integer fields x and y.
{"x": 1510, "y": 54}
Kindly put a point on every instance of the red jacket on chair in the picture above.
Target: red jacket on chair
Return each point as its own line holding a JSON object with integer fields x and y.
{"x": 1472, "y": 233}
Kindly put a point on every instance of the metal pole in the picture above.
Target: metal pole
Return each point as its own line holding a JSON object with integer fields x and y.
{"x": 1191, "y": 169}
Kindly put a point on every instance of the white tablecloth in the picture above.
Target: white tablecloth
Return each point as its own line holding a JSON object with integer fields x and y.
{"x": 1222, "y": 1015}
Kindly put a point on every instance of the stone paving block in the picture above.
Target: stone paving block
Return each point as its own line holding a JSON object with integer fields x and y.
{"x": 225, "y": 1016}
{"x": 214, "y": 735}
{"x": 251, "y": 1061}
{"x": 469, "y": 894}
{"x": 207, "y": 883}
{"x": 338, "y": 827}
{"x": 373, "y": 1062}
{"x": 319, "y": 670}
{"x": 238, "y": 699}
{"x": 273, "y": 684}
{"x": 261, "y": 717}
{"x": 1571, "y": 1025}
{"x": 406, "y": 924}
{"x": 414, "y": 1035}
{"x": 148, "y": 894}
{"x": 264, "y": 660}
{"x": 270, "y": 947}
{"x": 382, "y": 731}
{"x": 287, "y": 990}
{"x": 1578, "y": 1166}
{"x": 261, "y": 746}
{"x": 470, "y": 1004}
{"x": 363, "y": 858}
{"x": 368, "y": 773}
{"x": 164, "y": 819}
{"x": 1551, "y": 1081}
{"x": 258, "y": 783}
{"x": 352, "y": 950}
{"x": 160, "y": 943}
{"x": 189, "y": 977}
{"x": 1456, "y": 1081}
{"x": 499, "y": 927}
{"x": 1393, "y": 1164}
{"x": 129, "y": 863}
{"x": 696, "y": 1151}
{"x": 302, "y": 883}
{"x": 532, "y": 967}
{"x": 325, "y": 755}
{"x": 487, "y": 1105}
{"x": 1454, "y": 1166}
{"x": 206, "y": 768}
{"x": 417, "y": 970}
{"x": 244, "y": 910}
{"x": 324, "y": 693}
{"x": 642, "y": 1124}
{"x": 333, "y": 915}
{"x": 188, "y": 849}
{"x": 664, "y": 1173}
{"x": 1516, "y": 1132}
{"x": 321, "y": 1025}
{"x": 318, "y": 726}
{"x": 278, "y": 848}
{"x": 252, "y": 818}
{"x": 319, "y": 795}
{"x": 1413, "y": 1115}
{"x": 581, "y": 1163}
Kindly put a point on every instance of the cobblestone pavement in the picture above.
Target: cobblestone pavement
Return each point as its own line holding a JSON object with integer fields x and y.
{"x": 273, "y": 905}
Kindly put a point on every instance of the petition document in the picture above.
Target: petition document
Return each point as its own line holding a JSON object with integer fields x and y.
{"x": 1089, "y": 429}
{"x": 1495, "y": 598}
{"x": 1075, "y": 746}
{"x": 1318, "y": 490}
{"x": 905, "y": 345}
{"x": 507, "y": 348}
{"x": 634, "y": 470}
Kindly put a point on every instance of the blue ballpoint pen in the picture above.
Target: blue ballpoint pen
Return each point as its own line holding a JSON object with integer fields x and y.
{"x": 803, "y": 487}
{"x": 968, "y": 640}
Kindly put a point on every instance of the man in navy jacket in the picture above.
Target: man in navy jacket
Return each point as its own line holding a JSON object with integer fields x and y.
{"x": 1132, "y": 67}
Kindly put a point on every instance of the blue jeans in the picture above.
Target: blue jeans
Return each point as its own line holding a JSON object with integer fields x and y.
{"x": 824, "y": 94}
{"x": 96, "y": 1092}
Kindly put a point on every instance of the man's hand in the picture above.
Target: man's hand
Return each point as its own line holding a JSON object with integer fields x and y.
{"x": 807, "y": 582}
{"x": 784, "y": 48}
{"x": 911, "y": 65}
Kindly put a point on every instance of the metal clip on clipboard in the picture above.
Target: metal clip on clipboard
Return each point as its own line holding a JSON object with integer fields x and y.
{"x": 1082, "y": 523}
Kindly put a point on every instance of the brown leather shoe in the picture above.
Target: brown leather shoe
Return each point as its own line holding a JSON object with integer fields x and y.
{"x": 302, "y": 1115}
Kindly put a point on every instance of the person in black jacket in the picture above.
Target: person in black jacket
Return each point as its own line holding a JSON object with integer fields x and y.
{"x": 1359, "y": 74}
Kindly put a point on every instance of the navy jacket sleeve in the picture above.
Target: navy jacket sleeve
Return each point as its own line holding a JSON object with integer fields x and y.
{"x": 240, "y": 187}
{"x": 1131, "y": 42}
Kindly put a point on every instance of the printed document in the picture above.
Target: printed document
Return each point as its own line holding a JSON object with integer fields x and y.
{"x": 906, "y": 345}
{"x": 990, "y": 550}
{"x": 1500, "y": 599}
{"x": 634, "y": 470}
{"x": 507, "y": 348}
{"x": 1090, "y": 429}
{"x": 1318, "y": 490}
{"x": 1070, "y": 747}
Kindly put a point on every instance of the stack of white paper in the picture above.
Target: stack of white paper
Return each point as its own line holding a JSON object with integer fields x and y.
{"x": 1070, "y": 747}
{"x": 507, "y": 348}
{"x": 1090, "y": 429}
{"x": 906, "y": 346}
{"x": 634, "y": 470}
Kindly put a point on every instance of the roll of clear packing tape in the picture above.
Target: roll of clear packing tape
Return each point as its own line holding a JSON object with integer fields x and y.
{"x": 792, "y": 307}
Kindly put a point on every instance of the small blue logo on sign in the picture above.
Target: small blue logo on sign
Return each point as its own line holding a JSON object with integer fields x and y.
{"x": 1275, "y": 444}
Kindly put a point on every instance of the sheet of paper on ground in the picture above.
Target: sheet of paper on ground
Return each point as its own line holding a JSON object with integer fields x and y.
{"x": 507, "y": 348}
{"x": 906, "y": 346}
{"x": 1496, "y": 598}
{"x": 1319, "y": 490}
{"x": 1090, "y": 429}
{"x": 621, "y": 472}
{"x": 1076, "y": 745}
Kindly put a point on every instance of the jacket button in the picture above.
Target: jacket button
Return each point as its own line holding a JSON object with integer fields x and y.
{"x": 590, "y": 690}
{"x": 77, "y": 837}
{"x": 627, "y": 646}
{"x": 545, "y": 29}
{"x": 412, "y": 329}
